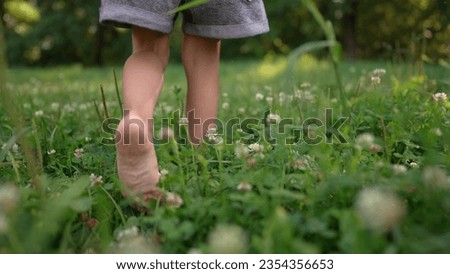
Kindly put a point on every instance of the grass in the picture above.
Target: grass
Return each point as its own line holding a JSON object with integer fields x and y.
{"x": 384, "y": 190}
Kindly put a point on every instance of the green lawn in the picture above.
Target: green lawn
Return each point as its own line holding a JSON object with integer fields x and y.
{"x": 368, "y": 178}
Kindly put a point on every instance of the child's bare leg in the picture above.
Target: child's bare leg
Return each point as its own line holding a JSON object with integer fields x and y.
{"x": 142, "y": 82}
{"x": 201, "y": 59}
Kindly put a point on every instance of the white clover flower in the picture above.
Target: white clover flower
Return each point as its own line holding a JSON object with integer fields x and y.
{"x": 87, "y": 139}
{"x": 163, "y": 173}
{"x": 213, "y": 136}
{"x": 379, "y": 210}
{"x": 51, "y": 152}
{"x": 376, "y": 80}
{"x": 15, "y": 148}
{"x": 241, "y": 110}
{"x": 308, "y": 96}
{"x": 226, "y": 105}
{"x": 78, "y": 153}
{"x": 269, "y": 100}
{"x": 244, "y": 187}
{"x": 241, "y": 151}
{"x": 436, "y": 177}
{"x": 399, "y": 169}
{"x": 95, "y": 180}
{"x": 27, "y": 105}
{"x": 54, "y": 106}
{"x": 300, "y": 164}
{"x": 173, "y": 199}
{"x": 440, "y": 96}
{"x": 413, "y": 165}
{"x": 378, "y": 72}
{"x": 259, "y": 97}
{"x": 438, "y": 132}
{"x": 256, "y": 148}
{"x": 305, "y": 85}
{"x": 273, "y": 118}
{"x": 9, "y": 197}
{"x": 227, "y": 239}
{"x": 364, "y": 141}
{"x": 39, "y": 113}
{"x": 128, "y": 233}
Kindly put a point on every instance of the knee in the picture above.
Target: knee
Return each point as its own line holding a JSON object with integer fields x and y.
{"x": 151, "y": 43}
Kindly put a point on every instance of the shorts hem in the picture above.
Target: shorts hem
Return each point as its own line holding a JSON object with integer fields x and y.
{"x": 226, "y": 31}
{"x": 119, "y": 16}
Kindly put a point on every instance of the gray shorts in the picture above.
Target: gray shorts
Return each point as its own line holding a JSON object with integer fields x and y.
{"x": 221, "y": 19}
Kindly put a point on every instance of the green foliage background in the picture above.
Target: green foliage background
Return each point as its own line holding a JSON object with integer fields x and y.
{"x": 46, "y": 32}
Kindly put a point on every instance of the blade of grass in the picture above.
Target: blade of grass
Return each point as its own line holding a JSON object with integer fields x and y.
{"x": 189, "y": 5}
{"x": 105, "y": 108}
{"x": 119, "y": 100}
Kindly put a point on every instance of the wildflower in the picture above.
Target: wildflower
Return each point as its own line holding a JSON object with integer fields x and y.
{"x": 226, "y": 105}
{"x": 54, "y": 106}
{"x": 375, "y": 148}
{"x": 39, "y": 113}
{"x": 51, "y": 152}
{"x": 166, "y": 133}
{"x": 227, "y": 239}
{"x": 241, "y": 110}
{"x": 15, "y": 149}
{"x": 213, "y": 136}
{"x": 269, "y": 100}
{"x": 364, "y": 141}
{"x": 305, "y": 85}
{"x": 95, "y": 180}
{"x": 163, "y": 174}
{"x": 78, "y": 153}
{"x": 378, "y": 72}
{"x": 259, "y": 97}
{"x": 257, "y": 148}
{"x": 308, "y": 96}
{"x": 440, "y": 96}
{"x": 9, "y": 197}
{"x": 128, "y": 233}
{"x": 299, "y": 164}
{"x": 241, "y": 151}
{"x": 173, "y": 199}
{"x": 379, "y": 210}
{"x": 92, "y": 223}
{"x": 87, "y": 139}
{"x": 438, "y": 132}
{"x": 129, "y": 241}
{"x": 273, "y": 118}
{"x": 244, "y": 187}
{"x": 399, "y": 169}
{"x": 436, "y": 177}
{"x": 376, "y": 80}
{"x": 413, "y": 165}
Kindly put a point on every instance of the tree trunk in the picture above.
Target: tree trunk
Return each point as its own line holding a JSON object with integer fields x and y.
{"x": 100, "y": 45}
{"x": 349, "y": 22}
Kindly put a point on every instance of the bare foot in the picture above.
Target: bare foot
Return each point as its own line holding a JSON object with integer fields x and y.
{"x": 137, "y": 164}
